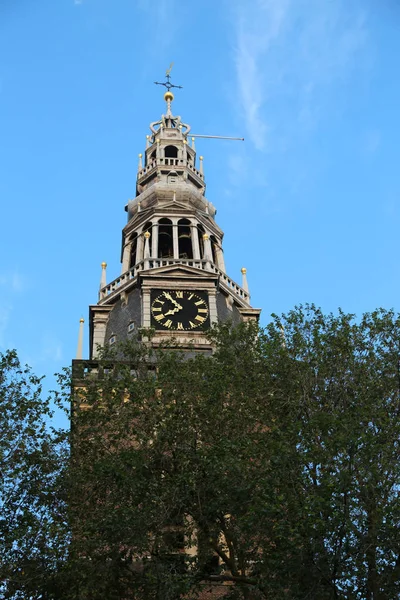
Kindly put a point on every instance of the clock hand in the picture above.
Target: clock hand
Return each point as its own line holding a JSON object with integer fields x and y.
{"x": 167, "y": 295}
{"x": 173, "y": 310}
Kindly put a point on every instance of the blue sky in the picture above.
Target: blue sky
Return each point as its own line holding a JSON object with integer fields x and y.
{"x": 309, "y": 202}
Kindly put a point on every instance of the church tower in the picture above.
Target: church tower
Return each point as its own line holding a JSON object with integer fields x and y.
{"x": 173, "y": 276}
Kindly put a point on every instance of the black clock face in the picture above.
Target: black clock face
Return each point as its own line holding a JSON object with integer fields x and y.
{"x": 179, "y": 310}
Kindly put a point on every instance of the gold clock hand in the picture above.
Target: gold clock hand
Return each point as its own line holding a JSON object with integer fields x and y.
{"x": 167, "y": 295}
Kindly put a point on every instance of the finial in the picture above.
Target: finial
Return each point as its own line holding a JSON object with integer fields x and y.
{"x": 140, "y": 166}
{"x": 80, "y": 340}
{"x": 103, "y": 279}
{"x": 201, "y": 165}
{"x": 185, "y": 141}
{"x": 147, "y": 141}
{"x": 146, "y": 249}
{"x": 193, "y": 146}
{"x": 168, "y": 96}
{"x": 206, "y": 237}
{"x": 245, "y": 285}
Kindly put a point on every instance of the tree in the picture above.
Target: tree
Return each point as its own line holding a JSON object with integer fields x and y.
{"x": 33, "y": 530}
{"x": 269, "y": 469}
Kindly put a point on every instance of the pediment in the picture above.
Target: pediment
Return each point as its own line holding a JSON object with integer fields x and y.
{"x": 173, "y": 206}
{"x": 177, "y": 271}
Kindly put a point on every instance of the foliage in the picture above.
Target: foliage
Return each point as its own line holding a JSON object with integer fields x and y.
{"x": 278, "y": 454}
{"x": 33, "y": 533}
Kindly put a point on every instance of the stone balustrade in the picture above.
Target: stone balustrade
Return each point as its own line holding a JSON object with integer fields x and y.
{"x": 169, "y": 162}
{"x": 118, "y": 284}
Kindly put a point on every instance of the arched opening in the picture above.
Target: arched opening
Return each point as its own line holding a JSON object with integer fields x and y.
{"x": 201, "y": 232}
{"x": 165, "y": 240}
{"x": 132, "y": 259}
{"x": 214, "y": 246}
{"x": 171, "y": 152}
{"x": 185, "y": 239}
{"x": 153, "y": 155}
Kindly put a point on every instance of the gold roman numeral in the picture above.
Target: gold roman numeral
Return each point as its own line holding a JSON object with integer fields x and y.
{"x": 202, "y": 310}
{"x": 192, "y": 325}
{"x": 168, "y": 323}
{"x": 199, "y": 302}
{"x": 159, "y": 317}
{"x": 191, "y": 296}
{"x": 179, "y": 326}
{"x": 179, "y": 294}
{"x": 156, "y": 308}
{"x": 200, "y": 319}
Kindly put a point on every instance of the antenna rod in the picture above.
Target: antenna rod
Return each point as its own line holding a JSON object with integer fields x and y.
{"x": 218, "y": 137}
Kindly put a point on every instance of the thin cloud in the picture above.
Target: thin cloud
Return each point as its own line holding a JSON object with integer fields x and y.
{"x": 289, "y": 56}
{"x": 13, "y": 282}
{"x": 5, "y": 314}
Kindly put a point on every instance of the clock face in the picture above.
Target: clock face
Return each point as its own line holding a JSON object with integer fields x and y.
{"x": 179, "y": 310}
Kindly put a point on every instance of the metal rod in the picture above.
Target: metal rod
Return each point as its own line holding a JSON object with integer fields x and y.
{"x": 219, "y": 137}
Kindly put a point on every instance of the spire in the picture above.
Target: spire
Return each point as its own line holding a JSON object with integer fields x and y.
{"x": 80, "y": 340}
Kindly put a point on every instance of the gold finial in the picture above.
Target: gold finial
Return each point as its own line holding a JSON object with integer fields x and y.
{"x": 168, "y": 96}
{"x": 185, "y": 141}
{"x": 147, "y": 137}
{"x": 192, "y": 139}
{"x": 205, "y": 237}
{"x": 158, "y": 141}
{"x": 147, "y": 234}
{"x": 140, "y": 155}
{"x": 81, "y": 320}
{"x": 103, "y": 265}
{"x": 201, "y": 157}
{"x": 243, "y": 270}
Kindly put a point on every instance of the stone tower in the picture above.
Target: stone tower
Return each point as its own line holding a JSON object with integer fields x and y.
{"x": 173, "y": 272}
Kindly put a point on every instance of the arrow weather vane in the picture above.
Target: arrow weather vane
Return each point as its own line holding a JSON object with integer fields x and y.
{"x": 168, "y": 83}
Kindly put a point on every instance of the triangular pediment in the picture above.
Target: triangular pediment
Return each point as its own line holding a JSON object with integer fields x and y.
{"x": 178, "y": 270}
{"x": 174, "y": 206}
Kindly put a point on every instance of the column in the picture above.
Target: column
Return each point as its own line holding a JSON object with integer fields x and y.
{"x": 175, "y": 240}
{"x": 207, "y": 251}
{"x": 220, "y": 258}
{"x": 126, "y": 257}
{"x": 195, "y": 242}
{"x": 154, "y": 241}
{"x": 139, "y": 249}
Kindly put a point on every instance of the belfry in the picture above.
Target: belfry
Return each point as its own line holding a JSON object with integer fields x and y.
{"x": 173, "y": 276}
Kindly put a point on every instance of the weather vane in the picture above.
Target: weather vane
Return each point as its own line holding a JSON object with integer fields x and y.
{"x": 168, "y": 83}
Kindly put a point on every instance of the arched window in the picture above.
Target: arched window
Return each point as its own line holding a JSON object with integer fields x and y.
{"x": 153, "y": 155}
{"x": 201, "y": 232}
{"x": 171, "y": 152}
{"x": 185, "y": 239}
{"x": 165, "y": 241}
{"x": 132, "y": 260}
